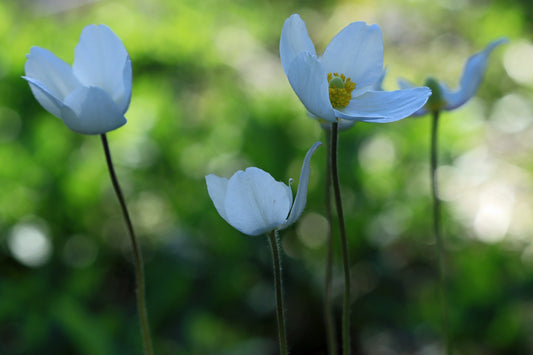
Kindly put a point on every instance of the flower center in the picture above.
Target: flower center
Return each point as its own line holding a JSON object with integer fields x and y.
{"x": 340, "y": 90}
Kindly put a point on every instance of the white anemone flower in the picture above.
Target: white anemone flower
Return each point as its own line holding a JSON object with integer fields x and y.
{"x": 254, "y": 203}
{"x": 446, "y": 99}
{"x": 341, "y": 84}
{"x": 92, "y": 95}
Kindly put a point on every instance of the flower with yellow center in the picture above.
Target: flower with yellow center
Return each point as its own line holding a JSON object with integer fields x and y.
{"x": 342, "y": 83}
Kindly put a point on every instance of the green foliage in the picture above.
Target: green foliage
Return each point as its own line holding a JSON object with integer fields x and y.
{"x": 210, "y": 96}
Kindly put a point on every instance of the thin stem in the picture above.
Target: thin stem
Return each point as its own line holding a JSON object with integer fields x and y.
{"x": 328, "y": 308}
{"x": 437, "y": 230}
{"x": 344, "y": 240}
{"x": 137, "y": 257}
{"x": 280, "y": 309}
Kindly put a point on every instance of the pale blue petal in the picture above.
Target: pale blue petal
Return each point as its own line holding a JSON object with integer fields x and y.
{"x": 101, "y": 60}
{"x": 385, "y": 106}
{"x": 471, "y": 78}
{"x": 301, "y": 195}
{"x": 406, "y": 84}
{"x": 91, "y": 111}
{"x": 216, "y": 187}
{"x": 47, "y": 100}
{"x": 294, "y": 40}
{"x": 255, "y": 202}
{"x": 51, "y": 72}
{"x": 357, "y": 52}
{"x": 309, "y": 81}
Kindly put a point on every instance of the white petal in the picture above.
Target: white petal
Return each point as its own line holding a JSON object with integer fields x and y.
{"x": 255, "y": 202}
{"x": 294, "y": 39}
{"x": 385, "y": 106}
{"x": 309, "y": 81}
{"x": 101, "y": 60}
{"x": 47, "y": 100}
{"x": 473, "y": 73}
{"x": 53, "y": 73}
{"x": 216, "y": 187}
{"x": 406, "y": 84}
{"x": 91, "y": 111}
{"x": 301, "y": 195}
{"x": 357, "y": 52}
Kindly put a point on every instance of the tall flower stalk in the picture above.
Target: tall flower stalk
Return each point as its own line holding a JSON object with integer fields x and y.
{"x": 254, "y": 203}
{"x": 341, "y": 86}
{"x": 329, "y": 319}
{"x": 344, "y": 240}
{"x": 445, "y": 99}
{"x": 92, "y": 97}
{"x": 137, "y": 256}
{"x": 434, "y": 156}
{"x": 273, "y": 238}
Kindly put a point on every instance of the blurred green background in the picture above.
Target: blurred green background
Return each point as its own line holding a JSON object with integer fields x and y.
{"x": 210, "y": 96}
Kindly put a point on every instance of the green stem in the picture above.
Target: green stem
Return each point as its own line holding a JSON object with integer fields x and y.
{"x": 280, "y": 309}
{"x": 437, "y": 230}
{"x": 137, "y": 257}
{"x": 344, "y": 240}
{"x": 328, "y": 308}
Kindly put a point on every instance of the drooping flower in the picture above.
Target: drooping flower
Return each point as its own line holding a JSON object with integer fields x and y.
{"x": 444, "y": 98}
{"x": 254, "y": 203}
{"x": 92, "y": 95}
{"x": 341, "y": 84}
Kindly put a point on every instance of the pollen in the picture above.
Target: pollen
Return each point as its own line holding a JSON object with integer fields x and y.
{"x": 340, "y": 90}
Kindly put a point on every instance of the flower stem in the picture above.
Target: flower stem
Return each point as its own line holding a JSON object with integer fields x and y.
{"x": 280, "y": 309}
{"x": 437, "y": 230}
{"x": 137, "y": 257}
{"x": 344, "y": 240}
{"x": 328, "y": 309}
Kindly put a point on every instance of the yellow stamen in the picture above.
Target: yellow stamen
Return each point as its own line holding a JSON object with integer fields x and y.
{"x": 340, "y": 90}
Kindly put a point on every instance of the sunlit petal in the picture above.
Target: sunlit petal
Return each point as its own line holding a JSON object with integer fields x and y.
{"x": 472, "y": 77}
{"x": 91, "y": 111}
{"x": 216, "y": 187}
{"x": 53, "y": 73}
{"x": 301, "y": 195}
{"x": 255, "y": 202}
{"x": 385, "y": 106}
{"x": 357, "y": 52}
{"x": 101, "y": 60}
{"x": 47, "y": 100}
{"x": 294, "y": 40}
{"x": 309, "y": 81}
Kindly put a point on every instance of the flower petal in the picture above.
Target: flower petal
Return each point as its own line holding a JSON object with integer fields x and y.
{"x": 294, "y": 39}
{"x": 385, "y": 106}
{"x": 357, "y": 52}
{"x": 406, "y": 84}
{"x": 309, "y": 81}
{"x": 101, "y": 60}
{"x": 216, "y": 187}
{"x": 471, "y": 78}
{"x": 255, "y": 202}
{"x": 51, "y": 72}
{"x": 47, "y": 100}
{"x": 301, "y": 195}
{"x": 91, "y": 111}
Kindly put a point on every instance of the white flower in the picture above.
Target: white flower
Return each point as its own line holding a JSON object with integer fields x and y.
{"x": 93, "y": 94}
{"x": 443, "y": 97}
{"x": 341, "y": 84}
{"x": 254, "y": 203}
